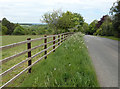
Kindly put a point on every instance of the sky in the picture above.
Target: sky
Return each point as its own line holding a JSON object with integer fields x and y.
{"x": 31, "y": 11}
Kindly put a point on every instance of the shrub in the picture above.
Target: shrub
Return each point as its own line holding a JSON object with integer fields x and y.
{"x": 19, "y": 31}
{"x": 4, "y": 30}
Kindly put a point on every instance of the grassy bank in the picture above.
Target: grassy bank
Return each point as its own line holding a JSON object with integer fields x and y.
{"x": 111, "y": 37}
{"x": 69, "y": 66}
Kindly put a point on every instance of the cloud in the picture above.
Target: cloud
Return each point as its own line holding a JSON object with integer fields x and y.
{"x": 31, "y": 10}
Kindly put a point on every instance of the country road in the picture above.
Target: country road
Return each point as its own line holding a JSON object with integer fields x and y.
{"x": 104, "y": 55}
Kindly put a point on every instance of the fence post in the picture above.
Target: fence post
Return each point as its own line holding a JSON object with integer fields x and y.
{"x": 58, "y": 39}
{"x": 53, "y": 43}
{"x": 61, "y": 38}
{"x": 29, "y": 54}
{"x": 45, "y": 46}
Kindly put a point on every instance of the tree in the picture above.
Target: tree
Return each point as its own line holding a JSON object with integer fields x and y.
{"x": 19, "y": 31}
{"x": 52, "y": 19}
{"x": 101, "y": 21}
{"x": 92, "y": 27}
{"x": 115, "y": 12}
{"x": 10, "y": 26}
{"x": 63, "y": 20}
{"x": 4, "y": 30}
{"x": 77, "y": 19}
{"x": 106, "y": 28}
{"x": 0, "y": 28}
{"x": 85, "y": 28}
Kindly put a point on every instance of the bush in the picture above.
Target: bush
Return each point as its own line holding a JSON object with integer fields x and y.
{"x": 19, "y": 31}
{"x": 4, "y": 30}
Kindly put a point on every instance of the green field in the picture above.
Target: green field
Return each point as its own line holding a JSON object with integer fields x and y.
{"x": 6, "y": 40}
{"x": 69, "y": 66}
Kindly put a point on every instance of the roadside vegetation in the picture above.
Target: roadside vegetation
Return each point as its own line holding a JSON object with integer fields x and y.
{"x": 109, "y": 25}
{"x": 69, "y": 66}
{"x": 111, "y": 37}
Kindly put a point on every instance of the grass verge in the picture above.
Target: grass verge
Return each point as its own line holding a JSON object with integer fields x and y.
{"x": 111, "y": 37}
{"x": 69, "y": 66}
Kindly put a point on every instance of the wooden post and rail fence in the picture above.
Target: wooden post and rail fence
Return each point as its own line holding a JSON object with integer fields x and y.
{"x": 59, "y": 37}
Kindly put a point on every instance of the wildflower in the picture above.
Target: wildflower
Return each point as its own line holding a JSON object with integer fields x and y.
{"x": 73, "y": 49}
{"x": 69, "y": 64}
{"x": 54, "y": 68}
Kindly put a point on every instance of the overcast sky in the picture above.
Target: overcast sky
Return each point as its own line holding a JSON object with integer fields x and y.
{"x": 30, "y": 11}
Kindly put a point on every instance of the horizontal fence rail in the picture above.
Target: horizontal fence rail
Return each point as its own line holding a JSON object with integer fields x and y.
{"x": 13, "y": 56}
{"x": 59, "y": 38}
{"x": 24, "y": 42}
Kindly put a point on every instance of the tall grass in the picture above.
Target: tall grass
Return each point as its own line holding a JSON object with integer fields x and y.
{"x": 69, "y": 66}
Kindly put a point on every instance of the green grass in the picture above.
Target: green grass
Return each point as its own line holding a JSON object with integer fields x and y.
{"x": 12, "y": 51}
{"x": 69, "y": 66}
{"x": 111, "y": 37}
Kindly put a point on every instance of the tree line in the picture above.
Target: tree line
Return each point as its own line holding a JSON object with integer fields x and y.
{"x": 109, "y": 25}
{"x": 60, "y": 22}
{"x": 57, "y": 22}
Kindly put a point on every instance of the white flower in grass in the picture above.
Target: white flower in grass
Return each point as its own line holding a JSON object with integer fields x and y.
{"x": 73, "y": 49}
{"x": 54, "y": 68}
{"x": 16, "y": 52}
{"x": 55, "y": 81}
{"x": 69, "y": 64}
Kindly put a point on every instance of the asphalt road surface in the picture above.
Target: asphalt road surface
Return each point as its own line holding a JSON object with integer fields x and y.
{"x": 104, "y": 55}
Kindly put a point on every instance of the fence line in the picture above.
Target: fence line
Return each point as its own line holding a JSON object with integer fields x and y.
{"x": 19, "y": 54}
{"x": 60, "y": 39}
{"x": 23, "y": 42}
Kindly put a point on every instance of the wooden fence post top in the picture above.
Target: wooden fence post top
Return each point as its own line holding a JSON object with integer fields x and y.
{"x": 28, "y": 38}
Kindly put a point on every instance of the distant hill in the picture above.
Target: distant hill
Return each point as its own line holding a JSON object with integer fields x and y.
{"x": 31, "y": 23}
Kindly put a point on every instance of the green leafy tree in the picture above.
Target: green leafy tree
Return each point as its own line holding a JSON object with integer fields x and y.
{"x": 4, "y": 30}
{"x": 92, "y": 27}
{"x": 70, "y": 20}
{"x": 78, "y": 21}
{"x": 19, "y": 31}
{"x": 106, "y": 28}
{"x": 0, "y": 28}
{"x": 52, "y": 19}
{"x": 85, "y": 28}
{"x": 115, "y": 12}
{"x": 9, "y": 25}
{"x": 63, "y": 21}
